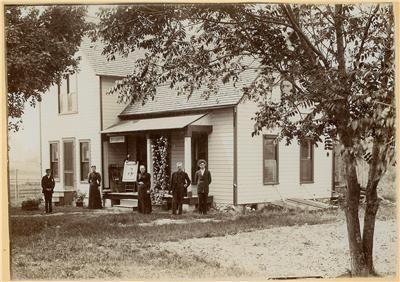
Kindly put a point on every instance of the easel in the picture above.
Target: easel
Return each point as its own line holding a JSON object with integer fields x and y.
{"x": 129, "y": 175}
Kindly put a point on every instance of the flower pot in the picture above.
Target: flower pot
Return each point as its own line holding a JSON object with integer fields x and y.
{"x": 79, "y": 204}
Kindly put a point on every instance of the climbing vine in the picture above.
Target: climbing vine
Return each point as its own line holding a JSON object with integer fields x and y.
{"x": 160, "y": 169}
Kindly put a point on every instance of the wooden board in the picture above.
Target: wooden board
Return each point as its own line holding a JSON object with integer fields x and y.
{"x": 130, "y": 171}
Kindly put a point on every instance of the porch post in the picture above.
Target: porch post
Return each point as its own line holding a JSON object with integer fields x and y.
{"x": 149, "y": 156}
{"x": 188, "y": 155}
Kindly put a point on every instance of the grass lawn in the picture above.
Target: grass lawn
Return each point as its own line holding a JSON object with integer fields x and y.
{"x": 119, "y": 246}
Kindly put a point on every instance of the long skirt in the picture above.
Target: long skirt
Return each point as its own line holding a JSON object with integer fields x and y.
{"x": 94, "y": 197}
{"x": 144, "y": 200}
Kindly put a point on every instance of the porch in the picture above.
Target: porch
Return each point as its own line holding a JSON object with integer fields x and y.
{"x": 187, "y": 142}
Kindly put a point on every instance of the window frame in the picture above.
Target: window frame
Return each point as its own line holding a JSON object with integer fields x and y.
{"x": 73, "y": 170}
{"x": 56, "y": 178}
{"x": 311, "y": 157}
{"x": 61, "y": 95}
{"x": 81, "y": 141}
{"x": 274, "y": 137}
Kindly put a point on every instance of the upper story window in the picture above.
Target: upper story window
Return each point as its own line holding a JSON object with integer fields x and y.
{"x": 67, "y": 95}
{"x": 279, "y": 88}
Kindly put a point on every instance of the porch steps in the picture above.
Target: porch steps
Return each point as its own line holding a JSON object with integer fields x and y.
{"x": 127, "y": 203}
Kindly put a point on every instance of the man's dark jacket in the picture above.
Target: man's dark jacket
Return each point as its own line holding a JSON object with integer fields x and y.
{"x": 179, "y": 180}
{"x": 48, "y": 183}
{"x": 202, "y": 181}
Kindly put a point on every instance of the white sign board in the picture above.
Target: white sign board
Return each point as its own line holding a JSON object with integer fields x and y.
{"x": 117, "y": 139}
{"x": 130, "y": 171}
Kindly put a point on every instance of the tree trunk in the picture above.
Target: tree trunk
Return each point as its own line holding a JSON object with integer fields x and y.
{"x": 374, "y": 175}
{"x": 357, "y": 258}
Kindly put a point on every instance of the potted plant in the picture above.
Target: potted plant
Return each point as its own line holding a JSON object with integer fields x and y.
{"x": 79, "y": 197}
{"x": 31, "y": 204}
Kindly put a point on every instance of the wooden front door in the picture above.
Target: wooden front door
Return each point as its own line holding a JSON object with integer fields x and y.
{"x": 68, "y": 146}
{"x": 199, "y": 150}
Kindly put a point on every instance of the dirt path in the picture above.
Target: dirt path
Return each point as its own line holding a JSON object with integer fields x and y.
{"x": 317, "y": 250}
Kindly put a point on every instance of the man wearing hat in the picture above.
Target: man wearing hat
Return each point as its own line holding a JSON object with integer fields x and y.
{"x": 203, "y": 180}
{"x": 48, "y": 184}
{"x": 179, "y": 181}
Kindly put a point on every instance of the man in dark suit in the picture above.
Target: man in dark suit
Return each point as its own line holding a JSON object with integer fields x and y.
{"x": 203, "y": 180}
{"x": 144, "y": 185}
{"x": 48, "y": 184}
{"x": 179, "y": 181}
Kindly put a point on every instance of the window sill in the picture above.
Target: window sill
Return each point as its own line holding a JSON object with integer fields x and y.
{"x": 307, "y": 182}
{"x": 68, "y": 113}
{"x": 271, "y": 183}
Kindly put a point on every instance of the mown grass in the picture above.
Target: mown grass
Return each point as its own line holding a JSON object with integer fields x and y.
{"x": 116, "y": 246}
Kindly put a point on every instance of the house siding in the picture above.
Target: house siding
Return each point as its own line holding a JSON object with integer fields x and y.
{"x": 250, "y": 169}
{"x": 110, "y": 106}
{"x": 177, "y": 150}
{"x": 83, "y": 125}
{"x": 220, "y": 154}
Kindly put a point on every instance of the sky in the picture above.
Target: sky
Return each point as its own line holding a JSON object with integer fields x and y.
{"x": 24, "y": 152}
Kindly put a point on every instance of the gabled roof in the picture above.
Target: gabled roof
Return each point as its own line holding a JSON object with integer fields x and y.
{"x": 166, "y": 99}
{"x": 121, "y": 66}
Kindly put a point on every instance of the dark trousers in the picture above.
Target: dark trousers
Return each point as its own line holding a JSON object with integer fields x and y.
{"x": 47, "y": 201}
{"x": 177, "y": 201}
{"x": 202, "y": 202}
{"x": 144, "y": 201}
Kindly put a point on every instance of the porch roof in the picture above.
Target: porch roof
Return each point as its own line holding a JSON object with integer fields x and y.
{"x": 162, "y": 123}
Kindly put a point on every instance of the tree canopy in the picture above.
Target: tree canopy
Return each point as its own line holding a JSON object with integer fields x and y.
{"x": 40, "y": 49}
{"x": 338, "y": 58}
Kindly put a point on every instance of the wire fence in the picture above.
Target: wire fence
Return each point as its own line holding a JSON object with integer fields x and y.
{"x": 23, "y": 188}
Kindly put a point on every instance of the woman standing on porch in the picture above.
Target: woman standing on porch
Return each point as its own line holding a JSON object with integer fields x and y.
{"x": 94, "y": 179}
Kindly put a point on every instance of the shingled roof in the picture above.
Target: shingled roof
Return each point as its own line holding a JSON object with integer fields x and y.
{"x": 166, "y": 99}
{"x": 121, "y": 66}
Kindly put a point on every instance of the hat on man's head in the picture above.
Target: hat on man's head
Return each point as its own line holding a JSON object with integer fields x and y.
{"x": 201, "y": 161}
{"x": 93, "y": 166}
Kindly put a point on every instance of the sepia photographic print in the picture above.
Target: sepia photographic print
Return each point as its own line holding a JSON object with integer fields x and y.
{"x": 201, "y": 141}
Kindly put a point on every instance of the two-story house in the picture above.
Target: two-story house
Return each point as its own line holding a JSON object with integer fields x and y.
{"x": 82, "y": 125}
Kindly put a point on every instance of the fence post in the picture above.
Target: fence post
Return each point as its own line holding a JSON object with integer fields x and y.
{"x": 16, "y": 184}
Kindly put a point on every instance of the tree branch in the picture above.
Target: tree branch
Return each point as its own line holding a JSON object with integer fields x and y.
{"x": 339, "y": 41}
{"x": 365, "y": 35}
{"x": 289, "y": 13}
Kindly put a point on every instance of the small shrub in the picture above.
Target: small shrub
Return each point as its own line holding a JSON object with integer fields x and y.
{"x": 31, "y": 204}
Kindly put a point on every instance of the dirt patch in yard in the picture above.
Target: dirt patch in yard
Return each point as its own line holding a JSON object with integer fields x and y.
{"x": 308, "y": 250}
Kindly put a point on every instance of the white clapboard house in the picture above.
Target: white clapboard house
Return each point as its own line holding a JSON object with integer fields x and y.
{"x": 82, "y": 125}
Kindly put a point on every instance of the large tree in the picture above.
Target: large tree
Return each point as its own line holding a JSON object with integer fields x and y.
{"x": 338, "y": 58}
{"x": 41, "y": 43}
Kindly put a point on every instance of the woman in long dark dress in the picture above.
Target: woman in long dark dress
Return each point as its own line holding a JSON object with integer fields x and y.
{"x": 94, "y": 179}
{"x": 144, "y": 185}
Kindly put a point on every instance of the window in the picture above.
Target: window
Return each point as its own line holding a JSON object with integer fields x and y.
{"x": 270, "y": 159}
{"x": 84, "y": 159}
{"x": 68, "y": 163}
{"x": 306, "y": 161}
{"x": 67, "y": 96}
{"x": 54, "y": 161}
